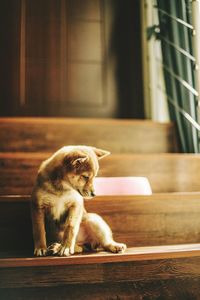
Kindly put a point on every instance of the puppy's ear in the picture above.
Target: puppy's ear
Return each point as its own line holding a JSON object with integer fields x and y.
{"x": 74, "y": 160}
{"x": 78, "y": 161}
{"x": 100, "y": 153}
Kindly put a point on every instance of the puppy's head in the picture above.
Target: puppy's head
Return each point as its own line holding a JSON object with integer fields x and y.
{"x": 81, "y": 166}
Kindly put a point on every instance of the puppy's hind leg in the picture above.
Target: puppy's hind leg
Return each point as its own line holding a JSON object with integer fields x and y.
{"x": 101, "y": 233}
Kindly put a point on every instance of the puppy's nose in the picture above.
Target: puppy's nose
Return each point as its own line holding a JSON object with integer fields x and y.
{"x": 92, "y": 194}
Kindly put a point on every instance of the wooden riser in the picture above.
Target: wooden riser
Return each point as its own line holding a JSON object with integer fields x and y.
{"x": 117, "y": 136}
{"x": 166, "y": 172}
{"x": 89, "y": 275}
{"x": 174, "y": 288}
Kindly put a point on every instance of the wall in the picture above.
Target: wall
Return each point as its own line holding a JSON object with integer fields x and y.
{"x": 71, "y": 58}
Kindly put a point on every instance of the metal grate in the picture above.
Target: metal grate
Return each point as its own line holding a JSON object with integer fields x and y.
{"x": 178, "y": 30}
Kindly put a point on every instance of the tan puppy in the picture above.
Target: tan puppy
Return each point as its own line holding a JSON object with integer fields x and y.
{"x": 63, "y": 181}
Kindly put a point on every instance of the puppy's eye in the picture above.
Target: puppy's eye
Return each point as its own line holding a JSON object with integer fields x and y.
{"x": 85, "y": 177}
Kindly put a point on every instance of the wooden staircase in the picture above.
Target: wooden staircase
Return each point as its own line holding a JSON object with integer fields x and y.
{"x": 162, "y": 230}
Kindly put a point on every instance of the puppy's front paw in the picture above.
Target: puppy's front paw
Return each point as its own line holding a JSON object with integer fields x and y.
{"x": 53, "y": 249}
{"x": 116, "y": 247}
{"x": 58, "y": 249}
{"x": 40, "y": 251}
{"x": 63, "y": 251}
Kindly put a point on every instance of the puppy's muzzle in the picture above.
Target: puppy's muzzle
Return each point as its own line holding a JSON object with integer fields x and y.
{"x": 87, "y": 194}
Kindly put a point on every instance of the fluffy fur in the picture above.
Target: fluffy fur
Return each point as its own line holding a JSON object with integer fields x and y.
{"x": 57, "y": 206}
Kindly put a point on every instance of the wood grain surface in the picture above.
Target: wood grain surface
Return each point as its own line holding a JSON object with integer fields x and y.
{"x": 162, "y": 231}
{"x": 175, "y": 288}
{"x": 102, "y": 257}
{"x": 115, "y": 135}
{"x": 165, "y": 172}
{"x": 155, "y": 270}
{"x": 159, "y": 219}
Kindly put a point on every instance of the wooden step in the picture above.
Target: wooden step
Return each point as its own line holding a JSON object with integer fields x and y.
{"x": 154, "y": 220}
{"x": 131, "y": 254}
{"x": 173, "y": 271}
{"x": 166, "y": 172}
{"x": 133, "y": 277}
{"x": 115, "y": 135}
{"x": 156, "y": 271}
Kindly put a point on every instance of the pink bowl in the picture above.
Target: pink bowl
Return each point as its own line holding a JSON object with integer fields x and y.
{"x": 122, "y": 186}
